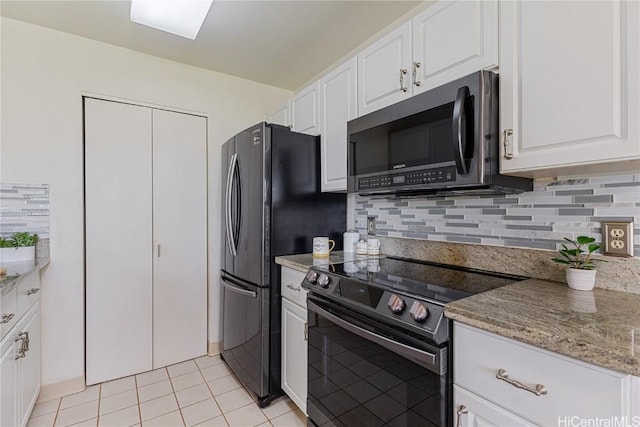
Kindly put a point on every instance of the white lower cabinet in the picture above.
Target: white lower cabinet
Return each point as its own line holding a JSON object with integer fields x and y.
{"x": 20, "y": 359}
{"x": 294, "y": 337}
{"x": 473, "y": 411}
{"x": 499, "y": 381}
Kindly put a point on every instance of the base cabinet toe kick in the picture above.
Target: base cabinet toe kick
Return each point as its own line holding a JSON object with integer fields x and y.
{"x": 499, "y": 381}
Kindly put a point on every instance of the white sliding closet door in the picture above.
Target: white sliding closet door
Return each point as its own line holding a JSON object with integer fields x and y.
{"x": 118, "y": 179}
{"x": 180, "y": 237}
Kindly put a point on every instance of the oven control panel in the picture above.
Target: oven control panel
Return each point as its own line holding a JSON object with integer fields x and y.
{"x": 420, "y": 316}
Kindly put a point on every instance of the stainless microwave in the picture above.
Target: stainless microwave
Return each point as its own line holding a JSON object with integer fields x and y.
{"x": 442, "y": 142}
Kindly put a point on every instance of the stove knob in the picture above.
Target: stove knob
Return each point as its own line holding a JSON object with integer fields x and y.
{"x": 396, "y": 304}
{"x": 312, "y": 276}
{"x": 324, "y": 280}
{"x": 419, "y": 312}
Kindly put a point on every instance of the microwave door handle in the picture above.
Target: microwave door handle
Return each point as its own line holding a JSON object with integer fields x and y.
{"x": 460, "y": 131}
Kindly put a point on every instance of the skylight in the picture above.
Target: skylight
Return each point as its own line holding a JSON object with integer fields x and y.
{"x": 181, "y": 17}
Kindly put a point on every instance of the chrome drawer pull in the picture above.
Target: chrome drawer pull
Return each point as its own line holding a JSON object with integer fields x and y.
{"x": 538, "y": 390}
{"x": 507, "y": 133}
{"x": 22, "y": 350}
{"x": 293, "y": 288}
{"x": 461, "y": 410}
{"x": 33, "y": 291}
{"x": 6, "y": 318}
{"x": 403, "y": 71}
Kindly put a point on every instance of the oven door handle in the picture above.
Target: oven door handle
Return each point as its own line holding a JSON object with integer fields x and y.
{"x": 431, "y": 361}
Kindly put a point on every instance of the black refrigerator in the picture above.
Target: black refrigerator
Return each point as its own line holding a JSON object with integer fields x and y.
{"x": 271, "y": 206}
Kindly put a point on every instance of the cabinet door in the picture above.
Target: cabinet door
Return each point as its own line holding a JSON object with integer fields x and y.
{"x": 470, "y": 410}
{"x": 119, "y": 237}
{"x": 8, "y": 379}
{"x": 384, "y": 71}
{"x": 294, "y": 353}
{"x": 180, "y": 237}
{"x": 281, "y": 115}
{"x": 569, "y": 89}
{"x": 305, "y": 110}
{"x": 338, "y": 93}
{"x": 452, "y": 39}
{"x": 29, "y": 365}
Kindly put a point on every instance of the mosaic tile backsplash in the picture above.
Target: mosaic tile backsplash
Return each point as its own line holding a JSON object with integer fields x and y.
{"x": 24, "y": 207}
{"x": 539, "y": 219}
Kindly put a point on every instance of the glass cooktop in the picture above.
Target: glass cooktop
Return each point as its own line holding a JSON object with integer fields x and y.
{"x": 436, "y": 282}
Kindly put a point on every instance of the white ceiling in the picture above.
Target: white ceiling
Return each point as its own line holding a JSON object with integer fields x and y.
{"x": 280, "y": 43}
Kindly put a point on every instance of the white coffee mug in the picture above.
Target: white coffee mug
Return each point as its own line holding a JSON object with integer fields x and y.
{"x": 373, "y": 247}
{"x": 361, "y": 248}
{"x": 321, "y": 247}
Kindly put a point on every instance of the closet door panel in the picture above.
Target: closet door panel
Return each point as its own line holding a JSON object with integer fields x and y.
{"x": 180, "y": 237}
{"x": 118, "y": 178}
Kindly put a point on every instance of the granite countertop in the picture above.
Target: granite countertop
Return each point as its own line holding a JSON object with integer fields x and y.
{"x": 302, "y": 262}
{"x": 17, "y": 270}
{"x": 597, "y": 327}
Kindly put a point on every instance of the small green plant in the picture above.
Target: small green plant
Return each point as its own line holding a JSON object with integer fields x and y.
{"x": 5, "y": 243}
{"x": 18, "y": 240}
{"x": 577, "y": 257}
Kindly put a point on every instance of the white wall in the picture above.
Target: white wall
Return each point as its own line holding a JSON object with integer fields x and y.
{"x": 43, "y": 76}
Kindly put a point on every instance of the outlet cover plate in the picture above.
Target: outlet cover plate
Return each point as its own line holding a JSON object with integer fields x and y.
{"x": 617, "y": 238}
{"x": 371, "y": 225}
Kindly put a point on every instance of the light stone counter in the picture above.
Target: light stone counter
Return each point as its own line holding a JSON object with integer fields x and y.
{"x": 597, "y": 327}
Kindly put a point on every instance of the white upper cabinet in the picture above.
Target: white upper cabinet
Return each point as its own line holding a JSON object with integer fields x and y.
{"x": 305, "y": 110}
{"x": 569, "y": 87}
{"x": 452, "y": 39}
{"x": 338, "y": 94}
{"x": 383, "y": 70}
{"x": 281, "y": 116}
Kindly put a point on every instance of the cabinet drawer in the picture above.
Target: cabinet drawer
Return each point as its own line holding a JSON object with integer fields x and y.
{"x": 8, "y": 310}
{"x": 28, "y": 292}
{"x": 573, "y": 388}
{"x": 290, "y": 286}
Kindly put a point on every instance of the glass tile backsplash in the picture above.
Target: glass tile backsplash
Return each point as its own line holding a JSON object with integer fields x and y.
{"x": 24, "y": 207}
{"x": 538, "y": 219}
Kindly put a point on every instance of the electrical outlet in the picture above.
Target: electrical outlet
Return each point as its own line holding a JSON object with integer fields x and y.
{"x": 371, "y": 225}
{"x": 617, "y": 238}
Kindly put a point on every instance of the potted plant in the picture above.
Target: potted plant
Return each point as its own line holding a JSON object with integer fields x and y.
{"x": 581, "y": 271}
{"x": 18, "y": 247}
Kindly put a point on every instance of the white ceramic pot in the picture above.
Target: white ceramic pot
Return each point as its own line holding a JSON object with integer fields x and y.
{"x": 23, "y": 253}
{"x": 581, "y": 280}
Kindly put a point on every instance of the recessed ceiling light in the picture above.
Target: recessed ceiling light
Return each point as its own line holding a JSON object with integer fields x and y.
{"x": 181, "y": 17}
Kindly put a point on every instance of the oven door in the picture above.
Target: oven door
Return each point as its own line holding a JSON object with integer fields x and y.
{"x": 361, "y": 372}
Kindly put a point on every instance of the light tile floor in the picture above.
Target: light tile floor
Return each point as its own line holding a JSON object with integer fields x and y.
{"x": 201, "y": 392}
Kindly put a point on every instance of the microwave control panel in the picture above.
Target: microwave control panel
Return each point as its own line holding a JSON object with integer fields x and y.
{"x": 427, "y": 176}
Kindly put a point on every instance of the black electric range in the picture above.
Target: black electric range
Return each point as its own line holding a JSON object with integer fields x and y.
{"x": 402, "y": 291}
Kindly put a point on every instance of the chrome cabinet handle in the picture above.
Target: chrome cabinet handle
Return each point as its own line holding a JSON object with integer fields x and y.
{"x": 416, "y": 82}
{"x": 403, "y": 71}
{"x": 6, "y": 317}
{"x": 26, "y": 341}
{"x": 506, "y": 135}
{"x": 33, "y": 291}
{"x": 306, "y": 331}
{"x": 22, "y": 350}
{"x": 461, "y": 410}
{"x": 293, "y": 288}
{"x": 538, "y": 389}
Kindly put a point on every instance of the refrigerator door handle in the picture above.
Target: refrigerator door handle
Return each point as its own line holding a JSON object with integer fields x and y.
{"x": 227, "y": 221}
{"x": 237, "y": 290}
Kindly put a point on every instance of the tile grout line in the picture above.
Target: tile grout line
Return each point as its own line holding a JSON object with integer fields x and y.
{"x": 135, "y": 381}
{"x": 213, "y": 394}
{"x": 99, "y": 402}
{"x": 175, "y": 396}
